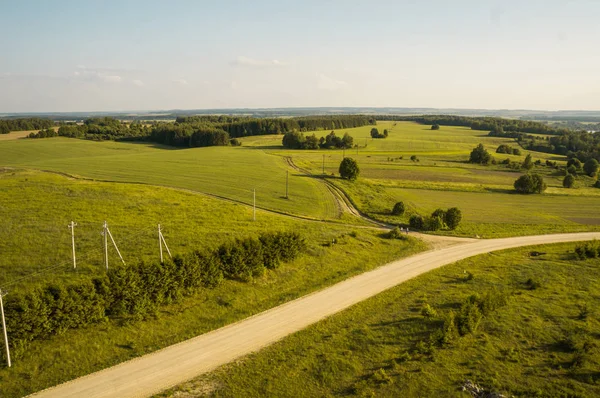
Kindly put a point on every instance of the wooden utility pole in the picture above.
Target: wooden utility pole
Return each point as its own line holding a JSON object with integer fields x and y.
{"x": 161, "y": 241}
{"x": 254, "y": 204}
{"x": 4, "y": 328}
{"x": 105, "y": 233}
{"x": 72, "y": 226}
{"x": 287, "y": 183}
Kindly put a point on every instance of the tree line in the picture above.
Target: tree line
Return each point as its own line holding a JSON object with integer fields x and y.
{"x": 297, "y": 140}
{"x": 23, "y": 124}
{"x": 137, "y": 291}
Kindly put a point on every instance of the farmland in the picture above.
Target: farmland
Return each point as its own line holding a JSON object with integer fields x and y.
{"x": 541, "y": 342}
{"x": 441, "y": 177}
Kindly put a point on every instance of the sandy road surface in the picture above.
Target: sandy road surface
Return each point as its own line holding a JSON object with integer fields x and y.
{"x": 152, "y": 373}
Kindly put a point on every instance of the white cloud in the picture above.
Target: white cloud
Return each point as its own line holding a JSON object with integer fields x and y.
{"x": 138, "y": 83}
{"x": 330, "y": 84}
{"x": 182, "y": 82}
{"x": 96, "y": 75}
{"x": 257, "y": 63}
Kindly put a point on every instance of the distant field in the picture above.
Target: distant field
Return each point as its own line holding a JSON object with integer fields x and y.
{"x": 442, "y": 178}
{"x": 225, "y": 171}
{"x": 542, "y": 343}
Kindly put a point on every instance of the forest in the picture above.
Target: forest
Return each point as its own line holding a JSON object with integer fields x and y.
{"x": 24, "y": 124}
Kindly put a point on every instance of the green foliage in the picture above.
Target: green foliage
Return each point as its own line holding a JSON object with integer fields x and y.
{"x": 416, "y": 221}
{"x": 396, "y": 233}
{"x": 414, "y": 158}
{"x": 569, "y": 181}
{"x": 433, "y": 223}
{"x": 576, "y": 163}
{"x": 435, "y": 126}
{"x": 399, "y": 209}
{"x": 24, "y": 124}
{"x": 527, "y": 163}
{"x": 452, "y": 217}
{"x": 480, "y": 155}
{"x": 590, "y": 167}
{"x": 530, "y": 183}
{"x": 376, "y": 134}
{"x": 349, "y": 169}
{"x": 505, "y": 148}
{"x": 428, "y": 311}
{"x": 571, "y": 170}
{"x": 138, "y": 290}
{"x": 587, "y": 250}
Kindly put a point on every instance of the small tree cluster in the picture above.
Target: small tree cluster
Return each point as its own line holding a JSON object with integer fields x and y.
{"x": 503, "y": 148}
{"x": 349, "y": 169}
{"x": 590, "y": 167}
{"x": 399, "y": 209}
{"x": 46, "y": 133}
{"x": 569, "y": 181}
{"x": 587, "y": 250}
{"x": 530, "y": 183}
{"x": 297, "y": 140}
{"x": 439, "y": 219}
{"x": 480, "y": 155}
{"x": 376, "y": 134}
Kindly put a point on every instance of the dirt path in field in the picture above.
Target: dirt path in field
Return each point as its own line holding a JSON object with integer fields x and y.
{"x": 152, "y": 373}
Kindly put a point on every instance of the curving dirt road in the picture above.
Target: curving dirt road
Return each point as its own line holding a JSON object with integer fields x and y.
{"x": 173, "y": 365}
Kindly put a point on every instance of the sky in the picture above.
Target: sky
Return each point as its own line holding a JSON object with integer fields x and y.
{"x": 67, "y": 56}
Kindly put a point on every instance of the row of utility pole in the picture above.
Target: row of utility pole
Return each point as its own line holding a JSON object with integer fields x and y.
{"x": 106, "y": 234}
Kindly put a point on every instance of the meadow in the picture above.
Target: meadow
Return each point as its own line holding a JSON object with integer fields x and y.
{"x": 228, "y": 172}
{"x": 441, "y": 177}
{"x": 542, "y": 342}
{"x": 35, "y": 241}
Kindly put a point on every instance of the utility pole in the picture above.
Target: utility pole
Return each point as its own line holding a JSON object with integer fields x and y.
{"x": 72, "y": 226}
{"x": 105, "y": 234}
{"x": 254, "y": 204}
{"x": 161, "y": 241}
{"x": 4, "y": 328}
{"x": 287, "y": 183}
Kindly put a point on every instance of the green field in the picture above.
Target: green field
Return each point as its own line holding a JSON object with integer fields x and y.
{"x": 35, "y": 243}
{"x": 542, "y": 343}
{"x": 443, "y": 178}
{"x": 229, "y": 172}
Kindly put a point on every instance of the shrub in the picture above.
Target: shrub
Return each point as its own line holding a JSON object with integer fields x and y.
{"x": 530, "y": 183}
{"x": 349, "y": 169}
{"x": 235, "y": 142}
{"x": 527, "y": 163}
{"x": 569, "y": 181}
{"x": 453, "y": 217}
{"x": 433, "y": 224}
{"x": 438, "y": 213}
{"x": 399, "y": 209}
{"x": 396, "y": 233}
{"x": 416, "y": 221}
{"x": 414, "y": 158}
{"x": 479, "y": 155}
{"x": 571, "y": 170}
{"x": 597, "y": 184}
{"x": 428, "y": 311}
{"x": 435, "y": 127}
{"x": 590, "y": 167}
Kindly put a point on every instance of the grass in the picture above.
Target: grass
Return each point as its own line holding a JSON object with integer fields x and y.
{"x": 230, "y": 172}
{"x": 442, "y": 178}
{"x": 37, "y": 206}
{"x": 542, "y": 343}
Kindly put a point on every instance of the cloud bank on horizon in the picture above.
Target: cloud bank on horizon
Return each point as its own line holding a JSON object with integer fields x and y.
{"x": 114, "y": 56}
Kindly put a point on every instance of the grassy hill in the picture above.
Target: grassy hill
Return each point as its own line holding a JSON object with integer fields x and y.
{"x": 542, "y": 341}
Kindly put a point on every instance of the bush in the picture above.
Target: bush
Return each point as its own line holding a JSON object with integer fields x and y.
{"x": 479, "y": 155}
{"x": 590, "y": 167}
{"x": 572, "y": 170}
{"x": 435, "y": 127}
{"x": 428, "y": 311}
{"x": 530, "y": 183}
{"x": 569, "y": 181}
{"x": 438, "y": 213}
{"x": 597, "y": 184}
{"x": 235, "y": 142}
{"x": 453, "y": 217}
{"x": 396, "y": 233}
{"x": 414, "y": 158}
{"x": 349, "y": 169}
{"x": 416, "y": 221}
{"x": 399, "y": 209}
{"x": 433, "y": 224}
{"x": 376, "y": 134}
{"x": 527, "y": 163}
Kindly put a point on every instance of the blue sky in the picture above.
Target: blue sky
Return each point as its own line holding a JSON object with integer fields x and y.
{"x": 144, "y": 55}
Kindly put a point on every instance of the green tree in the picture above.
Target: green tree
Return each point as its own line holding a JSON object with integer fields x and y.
{"x": 453, "y": 217}
{"x": 530, "y": 183}
{"x": 479, "y": 155}
{"x": 416, "y": 221}
{"x": 569, "y": 181}
{"x": 591, "y": 167}
{"x": 527, "y": 163}
{"x": 374, "y": 132}
{"x": 399, "y": 209}
{"x": 435, "y": 127}
{"x": 349, "y": 169}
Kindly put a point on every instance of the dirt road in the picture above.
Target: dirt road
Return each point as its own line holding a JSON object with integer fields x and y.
{"x": 173, "y": 365}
